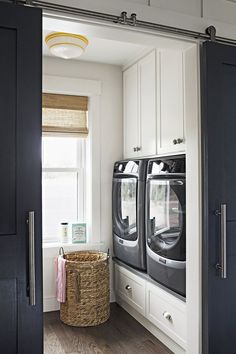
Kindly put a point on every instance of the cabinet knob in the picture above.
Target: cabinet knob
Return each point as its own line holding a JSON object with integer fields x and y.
{"x": 128, "y": 287}
{"x": 180, "y": 141}
{"x": 135, "y": 149}
{"x": 167, "y": 316}
{"x": 138, "y": 148}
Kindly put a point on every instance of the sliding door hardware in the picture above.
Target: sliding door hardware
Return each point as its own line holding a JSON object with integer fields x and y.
{"x": 211, "y": 31}
{"x": 123, "y": 19}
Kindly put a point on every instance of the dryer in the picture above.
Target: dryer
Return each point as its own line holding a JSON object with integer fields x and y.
{"x": 166, "y": 222}
{"x": 128, "y": 212}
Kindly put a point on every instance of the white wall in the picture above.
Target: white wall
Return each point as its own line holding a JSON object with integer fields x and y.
{"x": 110, "y": 136}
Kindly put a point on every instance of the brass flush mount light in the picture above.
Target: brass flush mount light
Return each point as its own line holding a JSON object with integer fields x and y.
{"x": 66, "y": 45}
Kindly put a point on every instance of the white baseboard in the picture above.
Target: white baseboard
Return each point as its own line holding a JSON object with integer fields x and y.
{"x": 50, "y": 304}
{"x": 167, "y": 341}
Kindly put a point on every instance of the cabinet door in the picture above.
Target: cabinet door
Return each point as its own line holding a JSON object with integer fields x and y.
{"x": 191, "y": 7}
{"x": 167, "y": 313}
{"x": 131, "y": 121}
{"x": 147, "y": 105}
{"x": 222, "y": 10}
{"x": 130, "y": 288}
{"x": 170, "y": 102}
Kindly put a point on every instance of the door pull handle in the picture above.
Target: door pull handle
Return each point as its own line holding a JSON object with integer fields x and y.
{"x": 32, "y": 282}
{"x": 221, "y": 266}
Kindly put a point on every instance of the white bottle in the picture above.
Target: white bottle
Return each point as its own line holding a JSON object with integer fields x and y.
{"x": 64, "y": 232}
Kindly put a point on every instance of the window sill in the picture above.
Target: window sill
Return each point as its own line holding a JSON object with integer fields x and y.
{"x": 72, "y": 246}
{"x": 60, "y": 244}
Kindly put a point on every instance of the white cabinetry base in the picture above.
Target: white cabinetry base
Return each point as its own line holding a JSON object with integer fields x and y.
{"x": 167, "y": 341}
{"x": 162, "y": 313}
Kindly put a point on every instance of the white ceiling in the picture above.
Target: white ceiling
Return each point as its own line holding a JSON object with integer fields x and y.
{"x": 106, "y": 51}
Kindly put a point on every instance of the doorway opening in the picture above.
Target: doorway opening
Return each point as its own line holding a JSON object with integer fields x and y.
{"x": 114, "y": 131}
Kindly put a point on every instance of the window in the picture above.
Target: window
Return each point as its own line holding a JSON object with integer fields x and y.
{"x": 63, "y": 162}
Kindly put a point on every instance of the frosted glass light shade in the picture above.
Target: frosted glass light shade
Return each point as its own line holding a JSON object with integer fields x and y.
{"x": 66, "y": 45}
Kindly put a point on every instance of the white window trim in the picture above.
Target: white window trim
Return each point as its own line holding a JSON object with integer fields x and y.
{"x": 91, "y": 89}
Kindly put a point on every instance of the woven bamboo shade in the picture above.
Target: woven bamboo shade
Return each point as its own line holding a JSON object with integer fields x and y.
{"x": 65, "y": 114}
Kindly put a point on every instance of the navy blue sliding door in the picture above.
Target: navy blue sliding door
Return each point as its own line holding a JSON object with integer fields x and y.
{"x": 219, "y": 198}
{"x": 20, "y": 180}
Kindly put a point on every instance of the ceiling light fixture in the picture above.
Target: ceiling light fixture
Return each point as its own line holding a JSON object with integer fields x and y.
{"x": 66, "y": 45}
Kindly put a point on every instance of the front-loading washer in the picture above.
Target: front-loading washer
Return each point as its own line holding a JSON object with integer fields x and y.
{"x": 128, "y": 212}
{"x": 166, "y": 222}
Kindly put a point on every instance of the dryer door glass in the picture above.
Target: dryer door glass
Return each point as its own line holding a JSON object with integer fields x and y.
{"x": 124, "y": 208}
{"x": 166, "y": 217}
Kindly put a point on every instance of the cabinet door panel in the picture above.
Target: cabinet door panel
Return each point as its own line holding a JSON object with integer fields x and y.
{"x": 167, "y": 313}
{"x": 130, "y": 288}
{"x": 191, "y": 7}
{"x": 130, "y": 87}
{"x": 147, "y": 104}
{"x": 8, "y": 133}
{"x": 222, "y": 10}
{"x": 170, "y": 102}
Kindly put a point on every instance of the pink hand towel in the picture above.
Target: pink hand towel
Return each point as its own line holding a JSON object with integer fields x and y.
{"x": 60, "y": 264}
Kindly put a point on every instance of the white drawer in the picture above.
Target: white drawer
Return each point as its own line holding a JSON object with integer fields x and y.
{"x": 130, "y": 288}
{"x": 167, "y": 312}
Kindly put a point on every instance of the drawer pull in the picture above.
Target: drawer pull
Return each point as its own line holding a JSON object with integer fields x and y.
{"x": 167, "y": 316}
{"x": 128, "y": 287}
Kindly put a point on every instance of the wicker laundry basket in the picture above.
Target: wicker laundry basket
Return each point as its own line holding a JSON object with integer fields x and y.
{"x": 87, "y": 289}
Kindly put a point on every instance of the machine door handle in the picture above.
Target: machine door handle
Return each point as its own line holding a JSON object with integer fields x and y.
{"x": 32, "y": 292}
{"x": 221, "y": 266}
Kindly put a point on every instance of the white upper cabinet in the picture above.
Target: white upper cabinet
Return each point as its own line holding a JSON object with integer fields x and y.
{"x": 147, "y": 105}
{"x": 170, "y": 102}
{"x": 154, "y": 105}
{"x": 222, "y": 10}
{"x": 130, "y": 104}
{"x": 140, "y": 108}
{"x": 191, "y": 7}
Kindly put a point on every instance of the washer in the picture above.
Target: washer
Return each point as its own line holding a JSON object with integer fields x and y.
{"x": 128, "y": 212}
{"x": 166, "y": 222}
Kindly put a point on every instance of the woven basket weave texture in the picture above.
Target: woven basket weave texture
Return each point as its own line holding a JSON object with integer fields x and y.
{"x": 87, "y": 289}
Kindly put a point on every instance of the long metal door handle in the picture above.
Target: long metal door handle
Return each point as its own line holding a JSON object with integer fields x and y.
{"x": 222, "y": 265}
{"x": 32, "y": 296}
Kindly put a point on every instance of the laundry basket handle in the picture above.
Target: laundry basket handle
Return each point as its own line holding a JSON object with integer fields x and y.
{"x": 61, "y": 251}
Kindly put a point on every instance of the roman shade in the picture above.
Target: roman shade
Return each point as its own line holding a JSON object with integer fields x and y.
{"x": 65, "y": 115}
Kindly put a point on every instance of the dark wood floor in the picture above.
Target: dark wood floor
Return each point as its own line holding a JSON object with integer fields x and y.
{"x": 121, "y": 334}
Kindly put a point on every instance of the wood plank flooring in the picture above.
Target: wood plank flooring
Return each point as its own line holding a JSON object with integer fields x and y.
{"x": 121, "y": 334}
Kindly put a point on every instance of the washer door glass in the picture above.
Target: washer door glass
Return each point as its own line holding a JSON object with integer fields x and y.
{"x": 124, "y": 197}
{"x": 166, "y": 217}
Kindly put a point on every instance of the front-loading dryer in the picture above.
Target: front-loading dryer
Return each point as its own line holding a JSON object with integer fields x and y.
{"x": 128, "y": 212}
{"x": 166, "y": 222}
